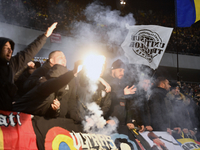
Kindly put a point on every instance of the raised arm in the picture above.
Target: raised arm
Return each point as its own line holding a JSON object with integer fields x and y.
{"x": 23, "y": 57}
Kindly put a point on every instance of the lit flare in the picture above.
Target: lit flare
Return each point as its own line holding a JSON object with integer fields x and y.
{"x": 93, "y": 65}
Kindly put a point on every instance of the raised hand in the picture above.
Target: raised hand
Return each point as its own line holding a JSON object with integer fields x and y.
{"x": 130, "y": 90}
{"x": 50, "y": 29}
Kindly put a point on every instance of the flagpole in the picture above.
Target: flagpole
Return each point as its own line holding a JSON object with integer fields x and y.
{"x": 177, "y": 47}
{"x": 178, "y": 79}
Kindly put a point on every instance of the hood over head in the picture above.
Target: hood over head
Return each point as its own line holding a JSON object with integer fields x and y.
{"x": 3, "y": 41}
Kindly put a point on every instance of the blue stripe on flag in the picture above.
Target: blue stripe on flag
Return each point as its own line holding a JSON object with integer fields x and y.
{"x": 185, "y": 13}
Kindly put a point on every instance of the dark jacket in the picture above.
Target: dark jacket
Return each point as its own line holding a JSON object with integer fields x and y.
{"x": 78, "y": 109}
{"x": 68, "y": 98}
{"x": 8, "y": 69}
{"x": 118, "y": 100}
{"x": 160, "y": 119}
{"x": 33, "y": 80}
{"x": 38, "y": 100}
{"x": 20, "y": 78}
{"x": 138, "y": 109}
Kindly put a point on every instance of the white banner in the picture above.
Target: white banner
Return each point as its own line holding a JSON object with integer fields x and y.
{"x": 146, "y": 44}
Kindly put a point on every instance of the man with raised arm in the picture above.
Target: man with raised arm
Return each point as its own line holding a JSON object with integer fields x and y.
{"x": 9, "y": 65}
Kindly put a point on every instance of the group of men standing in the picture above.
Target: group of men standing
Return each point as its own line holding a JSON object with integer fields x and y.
{"x": 53, "y": 91}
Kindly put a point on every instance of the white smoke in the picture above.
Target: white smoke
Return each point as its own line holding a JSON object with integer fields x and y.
{"x": 111, "y": 21}
{"x": 95, "y": 123}
{"x": 103, "y": 31}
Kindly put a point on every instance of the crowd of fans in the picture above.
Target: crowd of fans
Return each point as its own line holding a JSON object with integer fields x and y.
{"x": 184, "y": 97}
{"x": 53, "y": 93}
{"x": 190, "y": 89}
{"x": 40, "y": 14}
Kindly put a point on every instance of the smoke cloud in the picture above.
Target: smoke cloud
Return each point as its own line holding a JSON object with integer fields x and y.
{"x": 95, "y": 123}
{"x": 104, "y": 24}
{"x": 103, "y": 32}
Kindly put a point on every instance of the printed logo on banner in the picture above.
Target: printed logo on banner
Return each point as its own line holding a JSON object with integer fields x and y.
{"x": 147, "y": 44}
{"x": 188, "y": 144}
{"x": 59, "y": 138}
{"x": 123, "y": 142}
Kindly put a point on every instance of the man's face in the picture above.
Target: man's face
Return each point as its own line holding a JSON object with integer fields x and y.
{"x": 146, "y": 84}
{"x": 59, "y": 58}
{"x": 166, "y": 85}
{"x": 176, "y": 91}
{"x": 6, "y": 52}
{"x": 118, "y": 73}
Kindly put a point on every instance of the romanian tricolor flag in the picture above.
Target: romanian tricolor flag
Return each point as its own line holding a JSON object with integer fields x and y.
{"x": 187, "y": 12}
{"x": 16, "y": 131}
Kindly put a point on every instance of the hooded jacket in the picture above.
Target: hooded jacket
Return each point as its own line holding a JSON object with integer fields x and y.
{"x": 39, "y": 99}
{"x": 9, "y": 68}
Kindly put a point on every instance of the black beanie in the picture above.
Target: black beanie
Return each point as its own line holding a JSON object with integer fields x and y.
{"x": 118, "y": 64}
{"x": 174, "y": 85}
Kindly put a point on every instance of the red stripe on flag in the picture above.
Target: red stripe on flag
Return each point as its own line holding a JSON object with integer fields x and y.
{"x": 17, "y": 129}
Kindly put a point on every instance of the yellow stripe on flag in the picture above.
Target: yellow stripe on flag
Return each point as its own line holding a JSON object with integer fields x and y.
{"x": 1, "y": 140}
{"x": 197, "y": 8}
